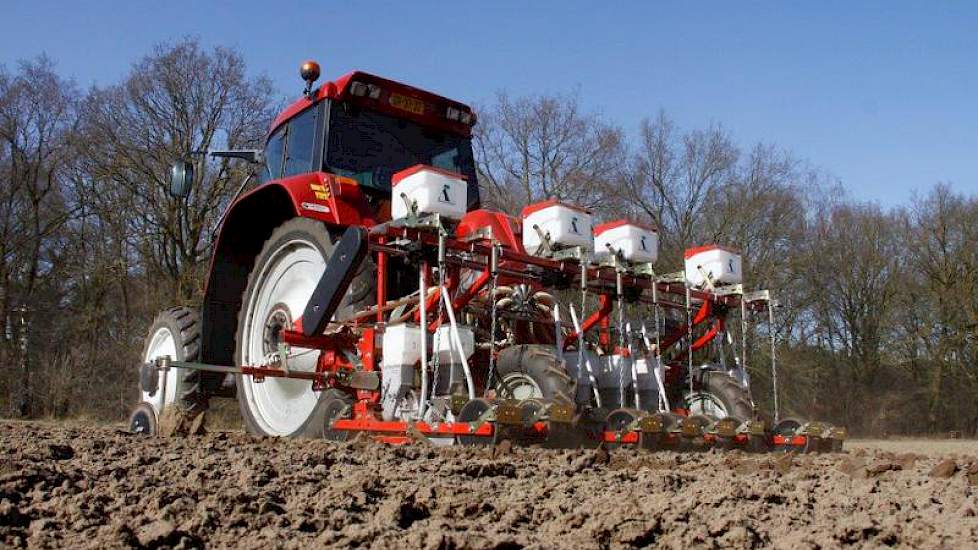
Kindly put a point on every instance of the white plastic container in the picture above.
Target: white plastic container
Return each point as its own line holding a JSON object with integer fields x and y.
{"x": 401, "y": 352}
{"x": 434, "y": 190}
{"x": 401, "y": 345}
{"x": 568, "y": 226}
{"x": 635, "y": 242}
{"x": 646, "y": 384}
{"x": 721, "y": 265}
{"x": 614, "y": 374}
{"x": 581, "y": 373}
{"x": 444, "y": 344}
{"x": 396, "y": 382}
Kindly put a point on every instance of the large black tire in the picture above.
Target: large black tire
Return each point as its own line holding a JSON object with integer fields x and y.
{"x": 183, "y": 323}
{"x": 539, "y": 363}
{"x": 729, "y": 392}
{"x": 359, "y": 296}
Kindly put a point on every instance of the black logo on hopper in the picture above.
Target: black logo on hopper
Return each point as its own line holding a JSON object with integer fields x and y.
{"x": 445, "y": 196}
{"x": 574, "y": 228}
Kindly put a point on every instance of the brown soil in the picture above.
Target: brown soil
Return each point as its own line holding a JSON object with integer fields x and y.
{"x": 100, "y": 487}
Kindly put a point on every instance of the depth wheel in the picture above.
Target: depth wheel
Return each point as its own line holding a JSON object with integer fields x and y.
{"x": 143, "y": 420}
{"x": 471, "y": 412}
{"x": 336, "y": 405}
{"x": 621, "y": 421}
{"x": 787, "y": 429}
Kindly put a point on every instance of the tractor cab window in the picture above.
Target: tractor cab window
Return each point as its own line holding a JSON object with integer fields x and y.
{"x": 301, "y": 140}
{"x": 370, "y": 147}
{"x": 274, "y": 150}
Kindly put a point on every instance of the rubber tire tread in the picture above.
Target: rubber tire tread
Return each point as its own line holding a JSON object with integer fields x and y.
{"x": 543, "y": 364}
{"x": 730, "y": 392}
{"x": 184, "y": 325}
{"x": 361, "y": 293}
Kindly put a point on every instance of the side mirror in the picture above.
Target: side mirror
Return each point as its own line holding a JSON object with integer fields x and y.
{"x": 181, "y": 179}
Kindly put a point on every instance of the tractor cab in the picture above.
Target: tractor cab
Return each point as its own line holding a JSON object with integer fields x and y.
{"x": 363, "y": 129}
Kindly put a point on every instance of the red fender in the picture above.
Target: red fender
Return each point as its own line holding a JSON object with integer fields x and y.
{"x": 336, "y": 201}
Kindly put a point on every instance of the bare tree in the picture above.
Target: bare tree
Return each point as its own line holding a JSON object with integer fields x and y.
{"x": 674, "y": 175}
{"x": 175, "y": 101}
{"x": 537, "y": 147}
{"x": 37, "y": 118}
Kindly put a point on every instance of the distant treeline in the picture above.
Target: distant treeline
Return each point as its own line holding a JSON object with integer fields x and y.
{"x": 879, "y": 308}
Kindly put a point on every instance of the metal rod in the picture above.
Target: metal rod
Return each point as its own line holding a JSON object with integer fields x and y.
{"x": 663, "y": 405}
{"x": 469, "y": 382}
{"x": 659, "y": 374}
{"x": 689, "y": 342}
{"x": 743, "y": 335}
{"x": 381, "y": 286}
{"x": 494, "y": 273}
{"x": 619, "y": 294}
{"x": 774, "y": 363}
{"x": 583, "y": 360}
{"x": 423, "y": 294}
{"x": 743, "y": 353}
{"x": 436, "y": 324}
{"x": 631, "y": 357}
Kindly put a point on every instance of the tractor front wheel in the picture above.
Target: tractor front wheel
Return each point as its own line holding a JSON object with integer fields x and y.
{"x": 175, "y": 333}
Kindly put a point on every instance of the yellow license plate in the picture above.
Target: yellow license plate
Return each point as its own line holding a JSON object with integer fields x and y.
{"x": 406, "y": 103}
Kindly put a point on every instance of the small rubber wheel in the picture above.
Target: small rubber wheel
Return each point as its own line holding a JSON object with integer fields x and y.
{"x": 619, "y": 421}
{"x": 471, "y": 412}
{"x": 143, "y": 420}
{"x": 336, "y": 405}
{"x": 787, "y": 428}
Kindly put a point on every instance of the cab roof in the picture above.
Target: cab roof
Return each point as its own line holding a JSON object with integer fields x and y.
{"x": 434, "y": 106}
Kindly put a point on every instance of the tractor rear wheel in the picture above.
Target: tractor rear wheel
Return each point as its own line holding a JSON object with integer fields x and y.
{"x": 533, "y": 371}
{"x": 720, "y": 395}
{"x": 175, "y": 333}
{"x": 284, "y": 275}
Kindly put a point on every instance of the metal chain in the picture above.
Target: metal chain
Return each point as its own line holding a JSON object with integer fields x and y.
{"x": 774, "y": 364}
{"x": 436, "y": 360}
{"x": 689, "y": 341}
{"x": 619, "y": 290}
{"x": 494, "y": 271}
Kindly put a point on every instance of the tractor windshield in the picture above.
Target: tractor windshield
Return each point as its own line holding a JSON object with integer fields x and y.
{"x": 370, "y": 147}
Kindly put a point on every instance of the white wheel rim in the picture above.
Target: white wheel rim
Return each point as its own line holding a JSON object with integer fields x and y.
{"x": 521, "y": 386}
{"x": 280, "y": 406}
{"x": 705, "y": 403}
{"x": 162, "y": 343}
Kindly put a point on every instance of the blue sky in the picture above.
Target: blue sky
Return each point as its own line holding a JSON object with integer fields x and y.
{"x": 882, "y": 95}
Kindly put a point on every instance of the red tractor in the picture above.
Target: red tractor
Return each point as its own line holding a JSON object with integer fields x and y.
{"x": 359, "y": 287}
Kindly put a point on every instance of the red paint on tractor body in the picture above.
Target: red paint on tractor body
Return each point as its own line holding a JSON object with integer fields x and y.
{"x": 431, "y": 114}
